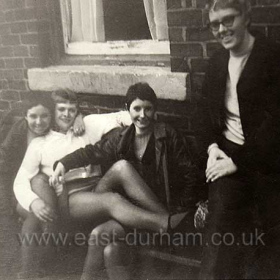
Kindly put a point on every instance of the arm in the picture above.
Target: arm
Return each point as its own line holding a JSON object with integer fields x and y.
{"x": 99, "y": 124}
{"x": 79, "y": 126}
{"x": 28, "y": 199}
{"x": 103, "y": 151}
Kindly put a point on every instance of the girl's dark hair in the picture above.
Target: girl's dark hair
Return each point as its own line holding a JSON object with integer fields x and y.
{"x": 142, "y": 91}
{"x": 36, "y": 99}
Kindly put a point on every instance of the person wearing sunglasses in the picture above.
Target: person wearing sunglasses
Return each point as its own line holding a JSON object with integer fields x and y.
{"x": 238, "y": 131}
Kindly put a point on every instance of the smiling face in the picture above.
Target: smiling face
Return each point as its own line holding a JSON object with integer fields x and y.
{"x": 38, "y": 119}
{"x": 142, "y": 114}
{"x": 65, "y": 114}
{"x": 232, "y": 38}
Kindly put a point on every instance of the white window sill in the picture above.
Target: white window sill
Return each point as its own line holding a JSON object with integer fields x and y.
{"x": 110, "y": 80}
{"x": 143, "y": 47}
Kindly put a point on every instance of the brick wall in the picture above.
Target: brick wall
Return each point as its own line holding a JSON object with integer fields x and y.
{"x": 191, "y": 42}
{"x": 24, "y": 43}
{"x": 30, "y": 36}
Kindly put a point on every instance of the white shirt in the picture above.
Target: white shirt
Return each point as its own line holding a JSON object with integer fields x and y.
{"x": 234, "y": 131}
{"x": 43, "y": 151}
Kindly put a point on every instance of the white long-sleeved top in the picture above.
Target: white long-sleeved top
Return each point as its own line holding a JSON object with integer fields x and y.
{"x": 44, "y": 151}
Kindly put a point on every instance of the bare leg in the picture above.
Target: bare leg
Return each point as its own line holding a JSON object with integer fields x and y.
{"x": 30, "y": 251}
{"x": 32, "y": 254}
{"x": 123, "y": 177}
{"x": 40, "y": 186}
{"x": 117, "y": 261}
{"x": 99, "y": 208}
{"x": 102, "y": 246}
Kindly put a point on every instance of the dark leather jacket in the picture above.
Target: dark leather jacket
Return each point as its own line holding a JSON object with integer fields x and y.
{"x": 12, "y": 150}
{"x": 175, "y": 169}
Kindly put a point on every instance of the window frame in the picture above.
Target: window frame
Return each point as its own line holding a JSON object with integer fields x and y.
{"x": 111, "y": 48}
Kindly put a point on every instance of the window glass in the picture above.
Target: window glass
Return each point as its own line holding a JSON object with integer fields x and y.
{"x": 123, "y": 25}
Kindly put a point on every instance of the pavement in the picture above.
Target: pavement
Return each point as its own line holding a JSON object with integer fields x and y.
{"x": 69, "y": 262}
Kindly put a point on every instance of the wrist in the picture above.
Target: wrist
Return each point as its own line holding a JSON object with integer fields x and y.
{"x": 211, "y": 147}
{"x": 231, "y": 161}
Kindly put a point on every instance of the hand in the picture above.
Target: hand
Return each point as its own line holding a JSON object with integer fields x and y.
{"x": 220, "y": 168}
{"x": 43, "y": 211}
{"x": 58, "y": 175}
{"x": 79, "y": 125}
{"x": 215, "y": 154}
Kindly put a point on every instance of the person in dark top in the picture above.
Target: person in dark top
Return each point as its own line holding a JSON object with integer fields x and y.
{"x": 238, "y": 131}
{"x": 38, "y": 112}
{"x": 149, "y": 164}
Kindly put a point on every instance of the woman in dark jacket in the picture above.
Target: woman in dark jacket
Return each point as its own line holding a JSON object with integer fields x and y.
{"x": 149, "y": 163}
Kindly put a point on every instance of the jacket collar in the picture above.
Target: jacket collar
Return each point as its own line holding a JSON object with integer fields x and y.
{"x": 127, "y": 134}
{"x": 159, "y": 130}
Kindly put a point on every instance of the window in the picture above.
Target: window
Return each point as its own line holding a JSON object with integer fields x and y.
{"x": 115, "y": 27}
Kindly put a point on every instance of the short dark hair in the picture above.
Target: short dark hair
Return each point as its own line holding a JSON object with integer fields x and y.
{"x": 36, "y": 99}
{"x": 142, "y": 91}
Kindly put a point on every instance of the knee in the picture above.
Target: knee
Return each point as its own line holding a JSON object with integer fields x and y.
{"x": 98, "y": 237}
{"x": 40, "y": 180}
{"x": 116, "y": 254}
{"x": 95, "y": 236}
{"x": 121, "y": 166}
{"x": 113, "y": 199}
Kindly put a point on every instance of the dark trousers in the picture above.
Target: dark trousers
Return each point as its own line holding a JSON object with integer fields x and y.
{"x": 236, "y": 244}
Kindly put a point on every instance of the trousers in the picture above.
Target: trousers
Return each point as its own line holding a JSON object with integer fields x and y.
{"x": 243, "y": 223}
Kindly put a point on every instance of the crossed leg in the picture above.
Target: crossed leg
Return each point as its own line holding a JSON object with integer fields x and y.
{"x": 104, "y": 205}
{"x": 122, "y": 177}
{"x": 110, "y": 211}
{"x": 115, "y": 254}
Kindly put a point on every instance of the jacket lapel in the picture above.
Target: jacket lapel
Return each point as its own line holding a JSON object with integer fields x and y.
{"x": 160, "y": 134}
{"x": 253, "y": 68}
{"x": 219, "y": 75}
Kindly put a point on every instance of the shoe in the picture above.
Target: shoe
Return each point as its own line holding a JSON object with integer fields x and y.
{"x": 184, "y": 224}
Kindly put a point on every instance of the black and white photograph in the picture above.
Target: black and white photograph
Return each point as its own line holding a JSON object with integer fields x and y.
{"x": 139, "y": 139}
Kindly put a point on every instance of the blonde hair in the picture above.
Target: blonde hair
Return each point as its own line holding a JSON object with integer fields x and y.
{"x": 65, "y": 96}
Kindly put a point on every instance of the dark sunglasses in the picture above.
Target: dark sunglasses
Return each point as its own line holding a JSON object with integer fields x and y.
{"x": 226, "y": 22}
